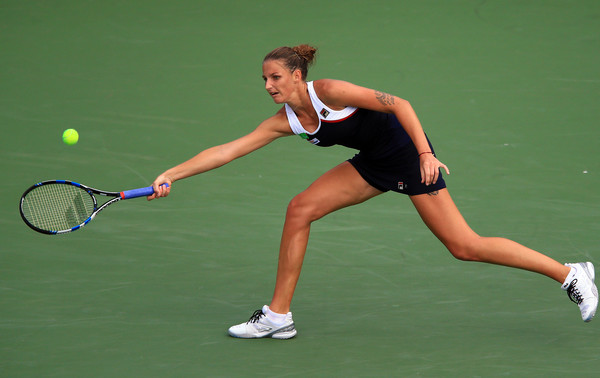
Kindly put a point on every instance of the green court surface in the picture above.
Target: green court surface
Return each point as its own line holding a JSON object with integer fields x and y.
{"x": 508, "y": 92}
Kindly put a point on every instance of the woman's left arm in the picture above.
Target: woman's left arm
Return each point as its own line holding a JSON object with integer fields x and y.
{"x": 341, "y": 93}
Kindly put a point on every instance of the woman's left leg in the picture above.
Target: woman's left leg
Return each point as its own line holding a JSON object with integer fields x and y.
{"x": 440, "y": 214}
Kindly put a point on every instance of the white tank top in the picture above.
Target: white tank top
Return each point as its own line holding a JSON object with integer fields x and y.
{"x": 323, "y": 111}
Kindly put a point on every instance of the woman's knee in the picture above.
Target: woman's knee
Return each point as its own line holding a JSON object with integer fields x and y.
{"x": 465, "y": 249}
{"x": 301, "y": 208}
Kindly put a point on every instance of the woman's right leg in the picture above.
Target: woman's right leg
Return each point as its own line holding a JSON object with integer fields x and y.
{"x": 340, "y": 187}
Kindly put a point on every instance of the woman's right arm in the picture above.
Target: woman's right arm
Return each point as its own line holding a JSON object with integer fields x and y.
{"x": 217, "y": 156}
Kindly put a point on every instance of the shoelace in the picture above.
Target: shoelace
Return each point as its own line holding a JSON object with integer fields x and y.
{"x": 573, "y": 292}
{"x": 255, "y": 317}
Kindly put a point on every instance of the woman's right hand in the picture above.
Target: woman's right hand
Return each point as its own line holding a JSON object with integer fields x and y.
{"x": 161, "y": 190}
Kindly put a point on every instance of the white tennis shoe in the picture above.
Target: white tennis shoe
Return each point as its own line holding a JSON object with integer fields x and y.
{"x": 581, "y": 289}
{"x": 260, "y": 326}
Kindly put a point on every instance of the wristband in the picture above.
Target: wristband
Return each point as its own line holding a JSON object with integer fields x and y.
{"x": 426, "y": 152}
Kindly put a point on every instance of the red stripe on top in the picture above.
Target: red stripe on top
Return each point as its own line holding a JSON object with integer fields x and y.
{"x": 340, "y": 120}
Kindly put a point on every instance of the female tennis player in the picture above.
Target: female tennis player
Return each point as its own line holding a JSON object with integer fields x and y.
{"x": 394, "y": 154}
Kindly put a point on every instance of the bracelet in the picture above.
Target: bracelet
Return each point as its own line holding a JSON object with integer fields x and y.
{"x": 426, "y": 152}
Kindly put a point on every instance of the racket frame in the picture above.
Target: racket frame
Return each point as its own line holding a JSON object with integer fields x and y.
{"x": 91, "y": 191}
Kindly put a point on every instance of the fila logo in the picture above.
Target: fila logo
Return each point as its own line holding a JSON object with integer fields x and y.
{"x": 400, "y": 185}
{"x": 324, "y": 113}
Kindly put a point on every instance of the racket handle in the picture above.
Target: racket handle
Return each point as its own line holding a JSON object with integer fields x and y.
{"x": 140, "y": 192}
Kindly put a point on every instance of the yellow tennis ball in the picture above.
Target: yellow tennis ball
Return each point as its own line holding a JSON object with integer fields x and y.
{"x": 70, "y": 136}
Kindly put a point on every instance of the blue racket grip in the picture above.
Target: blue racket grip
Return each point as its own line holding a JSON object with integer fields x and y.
{"x": 141, "y": 192}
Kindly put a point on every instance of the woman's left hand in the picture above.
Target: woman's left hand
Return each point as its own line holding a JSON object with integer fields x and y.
{"x": 430, "y": 168}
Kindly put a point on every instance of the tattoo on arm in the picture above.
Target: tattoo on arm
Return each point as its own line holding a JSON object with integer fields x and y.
{"x": 384, "y": 98}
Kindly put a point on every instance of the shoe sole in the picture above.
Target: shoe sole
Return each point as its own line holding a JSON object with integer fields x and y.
{"x": 281, "y": 334}
{"x": 278, "y": 336}
{"x": 588, "y": 267}
{"x": 284, "y": 335}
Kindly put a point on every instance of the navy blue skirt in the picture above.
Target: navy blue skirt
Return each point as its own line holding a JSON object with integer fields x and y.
{"x": 398, "y": 170}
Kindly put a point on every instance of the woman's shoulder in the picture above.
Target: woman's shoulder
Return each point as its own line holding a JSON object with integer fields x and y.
{"x": 278, "y": 121}
{"x": 326, "y": 86}
{"x": 279, "y": 117}
{"x": 332, "y": 91}
{"x": 331, "y": 86}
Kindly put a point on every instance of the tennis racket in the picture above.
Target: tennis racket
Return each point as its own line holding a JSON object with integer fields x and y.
{"x": 60, "y": 206}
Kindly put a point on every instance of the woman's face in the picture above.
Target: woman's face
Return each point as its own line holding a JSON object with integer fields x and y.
{"x": 280, "y": 83}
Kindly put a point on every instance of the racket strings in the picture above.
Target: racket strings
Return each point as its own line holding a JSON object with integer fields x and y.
{"x": 56, "y": 207}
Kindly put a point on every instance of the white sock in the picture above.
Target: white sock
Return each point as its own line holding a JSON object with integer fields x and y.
{"x": 569, "y": 278}
{"x": 275, "y": 318}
